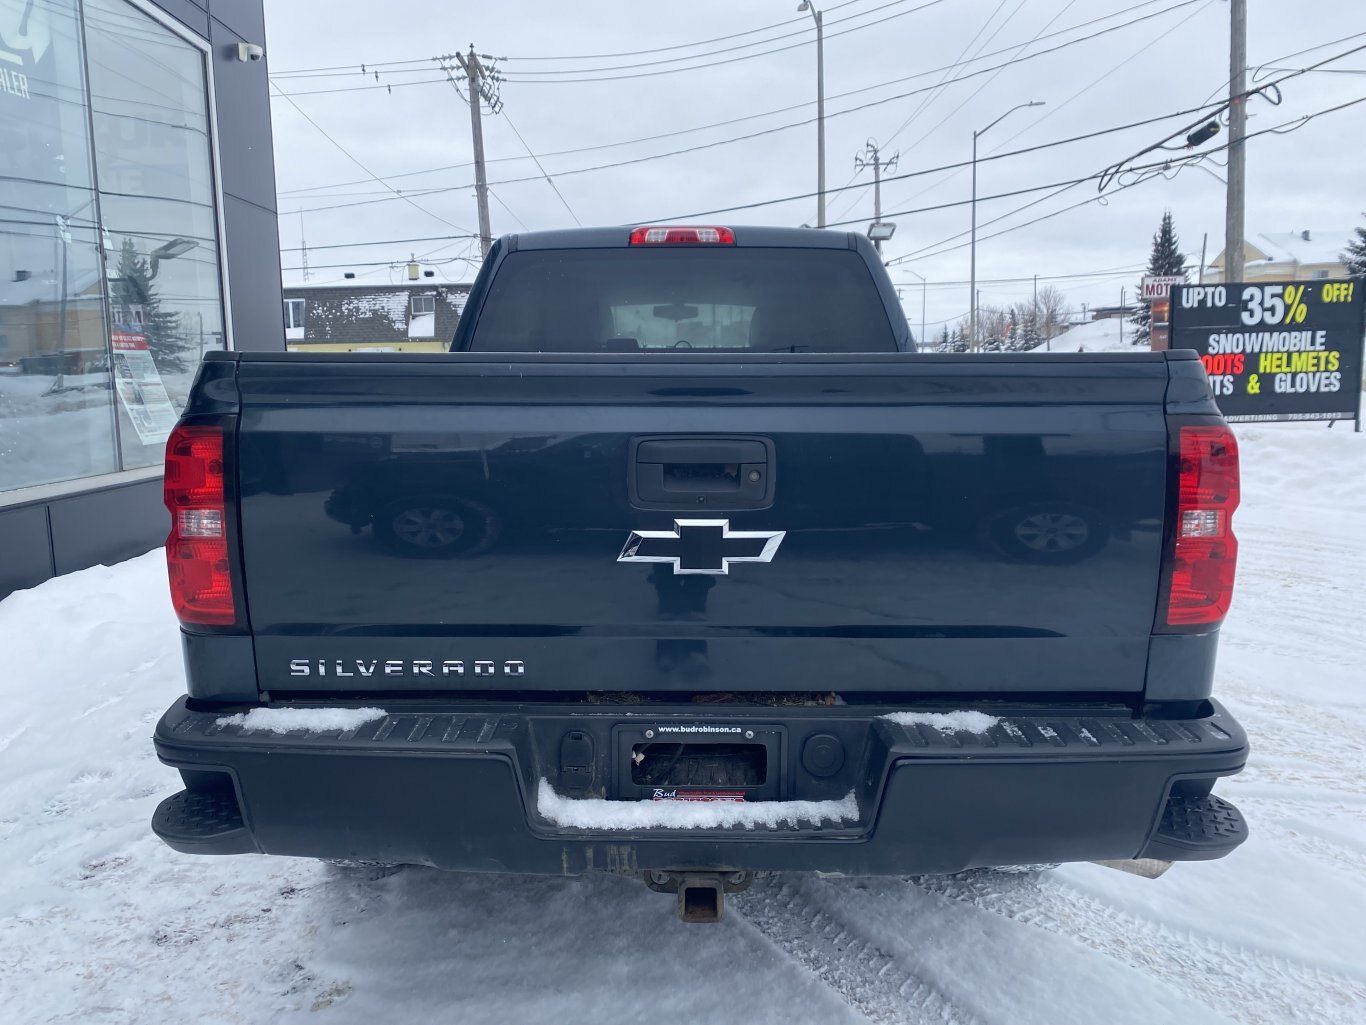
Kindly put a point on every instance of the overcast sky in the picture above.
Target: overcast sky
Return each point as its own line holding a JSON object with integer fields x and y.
{"x": 1310, "y": 179}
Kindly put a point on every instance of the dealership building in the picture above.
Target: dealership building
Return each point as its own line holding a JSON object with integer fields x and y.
{"x": 137, "y": 231}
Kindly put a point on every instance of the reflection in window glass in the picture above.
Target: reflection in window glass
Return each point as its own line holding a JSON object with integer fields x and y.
{"x": 149, "y": 104}
{"x": 56, "y": 419}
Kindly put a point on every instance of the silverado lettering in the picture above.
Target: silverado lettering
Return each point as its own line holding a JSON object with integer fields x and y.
{"x": 399, "y": 667}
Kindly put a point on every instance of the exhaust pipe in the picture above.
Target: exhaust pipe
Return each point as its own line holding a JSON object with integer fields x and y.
{"x": 1148, "y": 868}
{"x": 701, "y": 895}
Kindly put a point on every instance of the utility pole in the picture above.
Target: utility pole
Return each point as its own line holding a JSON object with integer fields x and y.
{"x": 806, "y": 5}
{"x": 923, "y": 285}
{"x": 480, "y": 86}
{"x": 1203, "y": 243}
{"x": 1035, "y": 313}
{"x": 1235, "y": 194}
{"x": 1121, "y": 315}
{"x": 303, "y": 243}
{"x": 972, "y": 285}
{"x": 871, "y": 157}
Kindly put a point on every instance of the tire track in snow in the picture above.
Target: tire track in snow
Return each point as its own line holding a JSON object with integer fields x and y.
{"x": 844, "y": 957}
{"x": 1321, "y": 849}
{"x": 1250, "y": 985}
{"x": 1314, "y": 749}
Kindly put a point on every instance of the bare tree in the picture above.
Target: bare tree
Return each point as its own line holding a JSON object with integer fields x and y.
{"x": 1052, "y": 311}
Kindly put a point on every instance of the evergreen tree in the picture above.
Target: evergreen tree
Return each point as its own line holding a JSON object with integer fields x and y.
{"x": 945, "y": 343}
{"x": 1355, "y": 255}
{"x": 1024, "y": 328}
{"x": 1165, "y": 258}
{"x": 135, "y": 301}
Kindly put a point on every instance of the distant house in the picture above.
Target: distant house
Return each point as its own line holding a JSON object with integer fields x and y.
{"x": 1287, "y": 256}
{"x": 409, "y": 317}
{"x": 1113, "y": 312}
{"x": 41, "y": 334}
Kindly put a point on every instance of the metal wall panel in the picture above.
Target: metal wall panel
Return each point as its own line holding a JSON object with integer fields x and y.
{"x": 247, "y": 17}
{"x": 25, "y": 555}
{"x": 189, "y": 13}
{"x": 107, "y": 526}
{"x": 254, "y": 270}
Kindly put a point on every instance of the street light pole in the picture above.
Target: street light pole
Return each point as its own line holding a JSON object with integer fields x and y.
{"x": 923, "y": 285}
{"x": 805, "y": 5}
{"x": 972, "y": 290}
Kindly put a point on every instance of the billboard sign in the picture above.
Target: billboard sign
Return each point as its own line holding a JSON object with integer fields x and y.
{"x": 1285, "y": 350}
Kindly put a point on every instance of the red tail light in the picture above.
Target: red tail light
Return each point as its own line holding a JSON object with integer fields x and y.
{"x": 1205, "y": 552}
{"x": 713, "y": 236}
{"x": 197, "y": 547}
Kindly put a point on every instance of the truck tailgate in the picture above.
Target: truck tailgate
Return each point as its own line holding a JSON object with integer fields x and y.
{"x": 559, "y": 523}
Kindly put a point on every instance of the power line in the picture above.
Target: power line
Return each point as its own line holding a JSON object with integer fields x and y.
{"x": 523, "y": 79}
{"x": 499, "y": 200}
{"x": 679, "y": 46}
{"x": 548, "y": 180}
{"x": 1054, "y": 109}
{"x": 1117, "y": 272}
{"x": 958, "y": 62}
{"x": 1115, "y": 168}
{"x": 526, "y": 80}
{"x": 850, "y": 92}
{"x": 362, "y": 66}
{"x": 808, "y": 195}
{"x": 934, "y": 95}
{"x": 1174, "y": 164}
{"x": 956, "y": 165}
{"x": 390, "y": 86}
{"x": 587, "y": 56}
{"x": 376, "y": 242}
{"x": 797, "y": 124}
{"x": 362, "y": 166}
{"x": 380, "y": 263}
{"x": 1282, "y": 129}
{"x": 804, "y": 31}
{"x": 967, "y": 99}
{"x": 535, "y": 77}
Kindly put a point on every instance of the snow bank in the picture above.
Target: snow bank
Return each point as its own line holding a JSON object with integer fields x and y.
{"x": 595, "y": 813}
{"x": 314, "y": 720}
{"x": 949, "y": 722}
{"x": 1095, "y": 336}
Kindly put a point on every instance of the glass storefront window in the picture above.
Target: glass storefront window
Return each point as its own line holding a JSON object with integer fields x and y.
{"x": 149, "y": 108}
{"x": 56, "y": 405}
{"x": 109, "y": 252}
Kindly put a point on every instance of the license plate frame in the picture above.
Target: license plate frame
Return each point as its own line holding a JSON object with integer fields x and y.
{"x": 699, "y": 734}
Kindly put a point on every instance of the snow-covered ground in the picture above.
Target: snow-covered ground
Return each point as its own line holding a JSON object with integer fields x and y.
{"x": 1095, "y": 336}
{"x": 101, "y": 924}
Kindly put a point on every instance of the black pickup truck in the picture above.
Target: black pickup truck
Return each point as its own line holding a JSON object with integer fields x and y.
{"x": 684, "y": 563}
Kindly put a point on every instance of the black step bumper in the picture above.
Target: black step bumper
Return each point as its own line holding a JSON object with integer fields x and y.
{"x": 457, "y": 787}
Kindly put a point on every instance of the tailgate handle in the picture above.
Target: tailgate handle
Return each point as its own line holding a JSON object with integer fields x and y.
{"x": 715, "y": 473}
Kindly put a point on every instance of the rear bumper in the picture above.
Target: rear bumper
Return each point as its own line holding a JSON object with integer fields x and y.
{"x": 457, "y": 787}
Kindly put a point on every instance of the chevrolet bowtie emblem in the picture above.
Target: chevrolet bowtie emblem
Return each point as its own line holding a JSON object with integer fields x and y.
{"x": 701, "y": 546}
